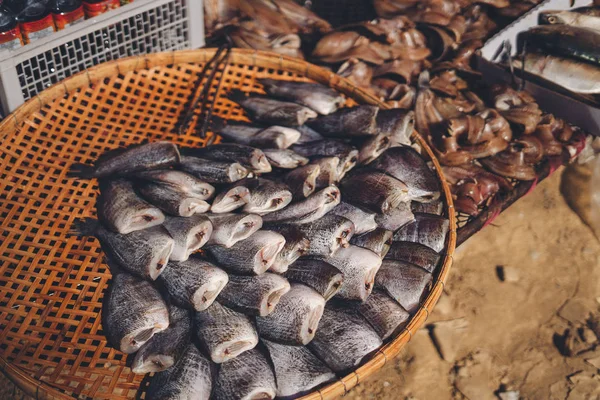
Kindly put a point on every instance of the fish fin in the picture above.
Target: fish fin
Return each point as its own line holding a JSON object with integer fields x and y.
{"x": 80, "y": 170}
{"x": 83, "y": 227}
{"x": 236, "y": 95}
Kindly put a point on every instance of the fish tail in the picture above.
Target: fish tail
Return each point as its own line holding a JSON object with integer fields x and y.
{"x": 83, "y": 227}
{"x": 236, "y": 95}
{"x": 80, "y": 170}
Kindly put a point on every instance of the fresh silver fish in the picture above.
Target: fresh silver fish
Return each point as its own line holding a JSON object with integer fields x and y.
{"x": 398, "y": 124}
{"x": 374, "y": 190}
{"x": 213, "y": 171}
{"x": 276, "y": 137}
{"x": 246, "y": 377}
{"x": 296, "y": 245}
{"x": 384, "y": 314}
{"x": 359, "y": 267}
{"x": 190, "y": 378}
{"x": 405, "y": 282}
{"x": 171, "y": 200}
{"x": 194, "y": 284}
{"x": 224, "y": 333}
{"x": 250, "y": 157}
{"x": 228, "y": 229}
{"x": 323, "y": 277}
{"x": 189, "y": 234}
{"x": 179, "y": 180}
{"x": 328, "y": 171}
{"x": 355, "y": 121}
{"x": 132, "y": 312}
{"x": 144, "y": 253}
{"x": 378, "y": 241}
{"x": 344, "y": 339}
{"x": 296, "y": 318}
{"x": 267, "y": 196}
{"x": 271, "y": 111}
{"x": 123, "y": 211}
{"x": 297, "y": 370}
{"x": 373, "y": 147}
{"x": 308, "y": 134}
{"x": 313, "y": 95}
{"x": 427, "y": 229}
{"x": 434, "y": 207}
{"x": 311, "y": 209}
{"x": 285, "y": 158}
{"x": 364, "y": 221}
{"x": 406, "y": 165}
{"x": 231, "y": 198}
{"x": 328, "y": 234}
{"x": 302, "y": 181}
{"x": 395, "y": 218}
{"x": 253, "y": 255}
{"x": 414, "y": 253}
{"x": 254, "y": 295}
{"x": 127, "y": 161}
{"x": 165, "y": 348}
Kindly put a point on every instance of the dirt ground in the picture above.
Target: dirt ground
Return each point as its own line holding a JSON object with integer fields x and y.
{"x": 520, "y": 318}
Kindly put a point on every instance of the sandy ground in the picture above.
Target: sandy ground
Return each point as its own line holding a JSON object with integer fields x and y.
{"x": 517, "y": 319}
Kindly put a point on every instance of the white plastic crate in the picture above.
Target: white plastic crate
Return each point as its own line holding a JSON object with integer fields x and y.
{"x": 143, "y": 26}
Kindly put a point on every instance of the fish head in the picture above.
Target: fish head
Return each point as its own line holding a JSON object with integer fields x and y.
{"x": 556, "y": 17}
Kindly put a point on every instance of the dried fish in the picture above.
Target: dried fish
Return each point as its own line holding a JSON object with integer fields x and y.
{"x": 296, "y": 245}
{"x": 396, "y": 218}
{"x": 179, "y": 180}
{"x": 266, "y": 196}
{"x": 384, "y": 314}
{"x": 427, "y": 229}
{"x": 305, "y": 211}
{"x": 231, "y": 198}
{"x": 254, "y": 295}
{"x": 327, "y": 234}
{"x": 414, "y": 253}
{"x": 285, "y": 158}
{"x": 246, "y": 377}
{"x": 323, "y": 277}
{"x": 364, "y": 221}
{"x": 405, "y": 282}
{"x": 213, "y": 171}
{"x": 302, "y": 181}
{"x": 355, "y": 121}
{"x": 189, "y": 235}
{"x": 313, "y": 95}
{"x": 274, "y": 112}
{"x": 378, "y": 241}
{"x": 228, "y": 229}
{"x": 374, "y": 190}
{"x": 250, "y": 157}
{"x": 172, "y": 201}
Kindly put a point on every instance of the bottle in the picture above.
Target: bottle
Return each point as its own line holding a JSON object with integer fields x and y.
{"x": 34, "y": 18}
{"x": 10, "y": 33}
{"x": 66, "y": 13}
{"x": 94, "y": 8}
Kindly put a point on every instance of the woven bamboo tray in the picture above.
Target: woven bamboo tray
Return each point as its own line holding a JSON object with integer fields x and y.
{"x": 51, "y": 284}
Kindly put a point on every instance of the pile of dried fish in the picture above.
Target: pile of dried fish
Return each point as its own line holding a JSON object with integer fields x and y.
{"x": 315, "y": 248}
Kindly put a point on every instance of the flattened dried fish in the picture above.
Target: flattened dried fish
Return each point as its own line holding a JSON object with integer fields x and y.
{"x": 296, "y": 318}
{"x": 271, "y": 111}
{"x": 224, "y": 333}
{"x": 253, "y": 255}
{"x": 228, "y": 229}
{"x": 427, "y": 229}
{"x": 296, "y": 245}
{"x": 311, "y": 209}
{"x": 405, "y": 282}
{"x": 189, "y": 234}
{"x": 378, "y": 241}
{"x": 250, "y": 157}
{"x": 384, "y": 314}
{"x": 171, "y": 200}
{"x": 398, "y": 124}
{"x": 132, "y": 312}
{"x": 254, "y": 295}
{"x": 328, "y": 170}
{"x": 307, "y": 134}
{"x": 213, "y": 171}
{"x": 122, "y": 211}
{"x": 355, "y": 121}
{"x": 267, "y": 196}
{"x": 285, "y": 158}
{"x": 194, "y": 283}
{"x": 302, "y": 181}
{"x": 414, "y": 253}
{"x": 327, "y": 234}
{"x": 313, "y": 95}
{"x": 373, "y": 147}
{"x": 325, "y": 147}
{"x": 374, "y": 190}
{"x": 364, "y": 221}
{"x": 247, "y": 377}
{"x": 276, "y": 137}
{"x": 395, "y": 218}
{"x": 179, "y": 180}
{"x": 323, "y": 277}
{"x": 434, "y": 207}
{"x": 231, "y": 198}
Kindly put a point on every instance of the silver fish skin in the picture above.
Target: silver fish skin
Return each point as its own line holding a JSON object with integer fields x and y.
{"x": 267, "y": 196}
{"x": 253, "y": 255}
{"x": 403, "y": 281}
{"x": 428, "y": 229}
{"x": 194, "y": 284}
{"x": 165, "y": 348}
{"x": 355, "y": 121}
{"x": 189, "y": 234}
{"x": 190, "y": 378}
{"x": 434, "y": 207}
{"x": 285, "y": 158}
{"x": 179, "y": 180}
{"x": 374, "y": 190}
{"x": 328, "y": 234}
{"x": 346, "y": 163}
{"x": 398, "y": 124}
{"x": 132, "y": 312}
{"x": 254, "y": 295}
{"x": 295, "y": 319}
{"x": 246, "y": 377}
{"x": 274, "y": 137}
{"x": 124, "y": 162}
{"x": 383, "y": 313}
{"x": 378, "y": 241}
{"x": 325, "y": 147}
{"x": 296, "y": 245}
{"x": 329, "y": 169}
{"x": 231, "y": 198}
{"x": 372, "y": 148}
{"x": 395, "y": 218}
{"x": 414, "y": 253}
{"x": 344, "y": 339}
{"x": 123, "y": 211}
{"x": 297, "y": 370}
{"x": 213, "y": 171}
{"x": 228, "y": 229}
{"x": 143, "y": 253}
{"x": 308, "y": 134}
{"x": 406, "y": 165}
{"x": 364, "y": 221}
{"x": 224, "y": 333}
{"x": 273, "y": 112}
{"x": 171, "y": 200}
{"x": 320, "y": 98}
{"x": 302, "y": 181}
{"x": 323, "y": 277}
{"x": 311, "y": 209}
{"x": 250, "y": 157}
{"x": 359, "y": 267}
